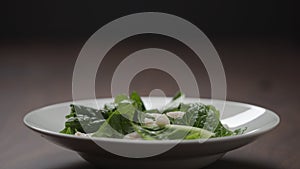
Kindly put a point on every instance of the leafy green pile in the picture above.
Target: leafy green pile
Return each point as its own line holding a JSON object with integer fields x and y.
{"x": 127, "y": 115}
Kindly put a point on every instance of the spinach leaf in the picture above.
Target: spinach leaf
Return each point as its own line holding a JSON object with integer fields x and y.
{"x": 108, "y": 109}
{"x": 177, "y": 96}
{"x": 172, "y": 132}
{"x": 203, "y": 116}
{"x": 221, "y": 131}
{"x": 194, "y": 115}
{"x": 198, "y": 115}
{"x": 152, "y": 111}
{"x": 126, "y": 115}
{"x": 121, "y": 98}
{"x": 174, "y": 104}
{"x": 115, "y": 126}
{"x": 119, "y": 122}
{"x": 83, "y": 119}
{"x": 140, "y": 116}
{"x": 137, "y": 101}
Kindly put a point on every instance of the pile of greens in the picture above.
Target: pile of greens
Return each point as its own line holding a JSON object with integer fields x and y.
{"x": 128, "y": 115}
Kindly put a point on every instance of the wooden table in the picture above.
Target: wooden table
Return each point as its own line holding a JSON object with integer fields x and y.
{"x": 36, "y": 73}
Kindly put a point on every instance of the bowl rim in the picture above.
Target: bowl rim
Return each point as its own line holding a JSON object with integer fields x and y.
{"x": 255, "y": 133}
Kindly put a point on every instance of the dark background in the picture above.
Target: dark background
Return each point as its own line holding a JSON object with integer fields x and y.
{"x": 258, "y": 43}
{"x": 58, "y": 19}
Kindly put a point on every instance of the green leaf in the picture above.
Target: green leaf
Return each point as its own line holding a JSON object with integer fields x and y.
{"x": 83, "y": 119}
{"x": 240, "y": 131}
{"x": 195, "y": 115}
{"x": 152, "y": 111}
{"x": 140, "y": 116}
{"x": 108, "y": 109}
{"x": 221, "y": 131}
{"x": 119, "y": 122}
{"x": 177, "y": 96}
{"x": 137, "y": 101}
{"x": 174, "y": 104}
{"x": 68, "y": 130}
{"x": 126, "y": 114}
{"x": 127, "y": 110}
{"x": 172, "y": 132}
{"x": 115, "y": 126}
{"x": 203, "y": 116}
{"x": 120, "y": 98}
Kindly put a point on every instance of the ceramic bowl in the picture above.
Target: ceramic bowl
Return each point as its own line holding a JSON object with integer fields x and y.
{"x": 121, "y": 153}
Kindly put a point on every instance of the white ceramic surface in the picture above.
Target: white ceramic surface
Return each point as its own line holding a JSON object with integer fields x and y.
{"x": 48, "y": 121}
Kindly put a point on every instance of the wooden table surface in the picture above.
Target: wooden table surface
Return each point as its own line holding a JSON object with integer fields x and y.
{"x": 36, "y": 73}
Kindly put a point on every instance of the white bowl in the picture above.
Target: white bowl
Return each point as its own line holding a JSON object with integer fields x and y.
{"x": 48, "y": 121}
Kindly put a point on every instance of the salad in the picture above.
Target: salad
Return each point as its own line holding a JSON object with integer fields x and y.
{"x": 127, "y": 118}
